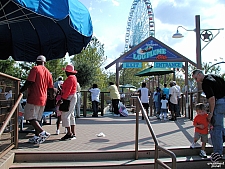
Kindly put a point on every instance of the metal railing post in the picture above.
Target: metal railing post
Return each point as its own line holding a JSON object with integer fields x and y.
{"x": 137, "y": 131}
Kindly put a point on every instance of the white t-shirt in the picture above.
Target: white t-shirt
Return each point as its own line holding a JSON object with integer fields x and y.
{"x": 164, "y": 104}
{"x": 173, "y": 91}
{"x": 179, "y": 92}
{"x": 94, "y": 94}
{"x": 144, "y": 95}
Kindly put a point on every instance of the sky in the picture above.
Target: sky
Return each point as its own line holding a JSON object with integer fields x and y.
{"x": 109, "y": 19}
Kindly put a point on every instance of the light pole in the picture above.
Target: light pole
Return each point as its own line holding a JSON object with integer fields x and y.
{"x": 204, "y": 34}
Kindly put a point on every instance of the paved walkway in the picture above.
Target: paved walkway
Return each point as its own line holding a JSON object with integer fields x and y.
{"x": 119, "y": 134}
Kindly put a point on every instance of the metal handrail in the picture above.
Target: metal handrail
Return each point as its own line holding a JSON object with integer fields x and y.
{"x": 11, "y": 114}
{"x": 157, "y": 146}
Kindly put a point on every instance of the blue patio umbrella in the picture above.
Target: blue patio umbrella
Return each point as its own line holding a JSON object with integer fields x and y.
{"x": 52, "y": 28}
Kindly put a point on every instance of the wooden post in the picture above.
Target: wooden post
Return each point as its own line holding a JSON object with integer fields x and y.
{"x": 85, "y": 104}
{"x": 102, "y": 104}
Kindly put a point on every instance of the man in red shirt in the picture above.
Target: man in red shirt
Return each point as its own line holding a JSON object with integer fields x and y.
{"x": 38, "y": 82}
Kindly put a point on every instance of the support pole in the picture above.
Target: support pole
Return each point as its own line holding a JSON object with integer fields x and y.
{"x": 198, "y": 51}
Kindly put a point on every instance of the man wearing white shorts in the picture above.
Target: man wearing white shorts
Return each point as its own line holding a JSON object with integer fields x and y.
{"x": 38, "y": 82}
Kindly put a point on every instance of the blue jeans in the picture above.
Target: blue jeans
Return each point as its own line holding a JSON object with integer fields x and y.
{"x": 218, "y": 126}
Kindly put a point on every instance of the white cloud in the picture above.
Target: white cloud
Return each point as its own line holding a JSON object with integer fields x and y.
{"x": 115, "y": 3}
{"x": 110, "y": 22}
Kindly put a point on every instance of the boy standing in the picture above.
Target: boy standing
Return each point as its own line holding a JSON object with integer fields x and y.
{"x": 164, "y": 107}
{"x": 95, "y": 92}
{"x": 201, "y": 128}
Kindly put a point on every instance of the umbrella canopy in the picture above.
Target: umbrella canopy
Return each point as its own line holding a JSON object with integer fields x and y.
{"x": 151, "y": 71}
{"x": 29, "y": 28}
{"x": 127, "y": 86}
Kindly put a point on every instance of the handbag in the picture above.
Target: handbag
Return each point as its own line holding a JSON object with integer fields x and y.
{"x": 64, "y": 106}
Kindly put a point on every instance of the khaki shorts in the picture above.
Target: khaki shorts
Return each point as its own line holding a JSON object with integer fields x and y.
{"x": 33, "y": 112}
{"x": 204, "y": 137}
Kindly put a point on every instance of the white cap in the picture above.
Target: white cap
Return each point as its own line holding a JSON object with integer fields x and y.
{"x": 41, "y": 58}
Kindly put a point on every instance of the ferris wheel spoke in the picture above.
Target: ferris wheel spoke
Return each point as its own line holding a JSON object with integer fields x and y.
{"x": 140, "y": 24}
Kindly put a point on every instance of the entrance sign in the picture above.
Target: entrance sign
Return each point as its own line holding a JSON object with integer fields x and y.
{"x": 152, "y": 50}
{"x": 132, "y": 65}
{"x": 168, "y": 64}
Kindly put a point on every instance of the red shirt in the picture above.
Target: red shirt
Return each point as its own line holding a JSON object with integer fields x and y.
{"x": 37, "y": 92}
{"x": 69, "y": 86}
{"x": 201, "y": 119}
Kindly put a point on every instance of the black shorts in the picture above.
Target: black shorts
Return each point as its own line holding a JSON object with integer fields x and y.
{"x": 146, "y": 106}
{"x": 173, "y": 107}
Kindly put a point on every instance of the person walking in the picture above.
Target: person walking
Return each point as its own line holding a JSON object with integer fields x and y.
{"x": 164, "y": 107}
{"x": 178, "y": 99}
{"x": 173, "y": 101}
{"x": 38, "y": 82}
{"x": 201, "y": 125}
{"x": 95, "y": 92}
{"x": 214, "y": 88}
{"x": 157, "y": 101}
{"x": 58, "y": 112}
{"x": 69, "y": 93}
{"x": 144, "y": 96}
{"x": 77, "y": 106}
{"x": 115, "y": 96}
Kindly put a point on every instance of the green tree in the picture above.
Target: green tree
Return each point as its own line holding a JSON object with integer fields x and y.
{"x": 55, "y": 67}
{"x": 127, "y": 76}
{"x": 208, "y": 69}
{"x": 7, "y": 66}
{"x": 88, "y": 64}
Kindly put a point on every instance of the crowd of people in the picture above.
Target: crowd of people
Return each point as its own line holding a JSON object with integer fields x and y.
{"x": 67, "y": 94}
{"x": 165, "y": 101}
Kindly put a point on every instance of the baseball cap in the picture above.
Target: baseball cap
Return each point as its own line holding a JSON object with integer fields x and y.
{"x": 41, "y": 58}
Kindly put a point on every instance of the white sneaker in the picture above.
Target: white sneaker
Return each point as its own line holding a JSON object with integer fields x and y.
{"x": 34, "y": 140}
{"x": 203, "y": 154}
{"x": 192, "y": 145}
{"x": 57, "y": 132}
{"x": 116, "y": 115}
{"x": 73, "y": 137}
{"x": 43, "y": 136}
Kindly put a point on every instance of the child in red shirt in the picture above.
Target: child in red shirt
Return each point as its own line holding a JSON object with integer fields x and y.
{"x": 201, "y": 128}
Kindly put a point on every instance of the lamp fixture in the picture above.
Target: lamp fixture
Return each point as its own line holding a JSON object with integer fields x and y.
{"x": 177, "y": 35}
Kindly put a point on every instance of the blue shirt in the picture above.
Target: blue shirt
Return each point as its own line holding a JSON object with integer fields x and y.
{"x": 166, "y": 92}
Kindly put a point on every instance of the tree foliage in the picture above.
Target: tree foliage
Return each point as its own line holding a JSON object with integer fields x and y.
{"x": 15, "y": 68}
{"x": 88, "y": 64}
{"x": 55, "y": 67}
{"x": 127, "y": 75}
{"x": 7, "y": 66}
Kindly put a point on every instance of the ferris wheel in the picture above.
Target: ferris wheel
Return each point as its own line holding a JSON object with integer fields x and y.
{"x": 140, "y": 24}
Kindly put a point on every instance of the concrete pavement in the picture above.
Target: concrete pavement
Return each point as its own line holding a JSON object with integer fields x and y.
{"x": 119, "y": 134}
